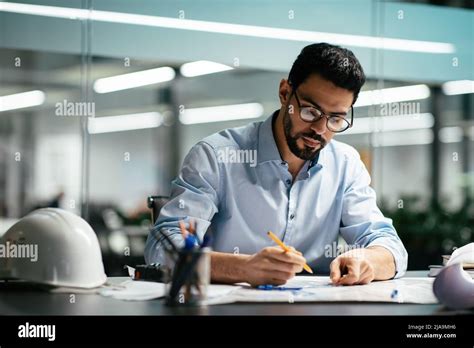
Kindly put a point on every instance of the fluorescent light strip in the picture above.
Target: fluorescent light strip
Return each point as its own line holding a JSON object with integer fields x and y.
{"x": 366, "y": 125}
{"x": 221, "y": 113}
{"x": 415, "y": 137}
{"x": 458, "y": 87}
{"x": 120, "y": 123}
{"x": 202, "y": 67}
{"x": 133, "y": 80}
{"x": 22, "y": 100}
{"x": 450, "y": 134}
{"x": 392, "y": 95}
{"x": 232, "y": 29}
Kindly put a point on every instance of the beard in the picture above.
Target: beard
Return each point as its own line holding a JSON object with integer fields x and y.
{"x": 306, "y": 152}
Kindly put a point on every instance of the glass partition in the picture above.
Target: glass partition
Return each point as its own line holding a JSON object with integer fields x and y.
{"x": 100, "y": 116}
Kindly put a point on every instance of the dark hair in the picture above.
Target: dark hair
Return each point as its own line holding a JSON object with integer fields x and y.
{"x": 333, "y": 63}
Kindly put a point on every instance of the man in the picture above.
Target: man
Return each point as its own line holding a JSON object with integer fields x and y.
{"x": 305, "y": 187}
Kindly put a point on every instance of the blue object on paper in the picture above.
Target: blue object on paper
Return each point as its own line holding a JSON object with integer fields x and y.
{"x": 281, "y": 288}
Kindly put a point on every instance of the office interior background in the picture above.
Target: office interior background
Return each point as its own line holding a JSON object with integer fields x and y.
{"x": 78, "y": 132}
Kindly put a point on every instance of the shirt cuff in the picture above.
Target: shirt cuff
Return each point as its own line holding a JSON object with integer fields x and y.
{"x": 398, "y": 251}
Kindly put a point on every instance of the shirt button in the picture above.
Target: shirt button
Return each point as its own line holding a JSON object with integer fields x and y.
{"x": 292, "y": 216}
{"x": 288, "y": 182}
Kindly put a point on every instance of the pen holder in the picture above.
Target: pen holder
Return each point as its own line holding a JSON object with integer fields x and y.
{"x": 191, "y": 275}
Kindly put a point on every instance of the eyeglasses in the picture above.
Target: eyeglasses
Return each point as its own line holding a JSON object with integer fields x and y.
{"x": 334, "y": 123}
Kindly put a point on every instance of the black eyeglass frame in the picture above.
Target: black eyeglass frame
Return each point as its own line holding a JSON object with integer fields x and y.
{"x": 350, "y": 124}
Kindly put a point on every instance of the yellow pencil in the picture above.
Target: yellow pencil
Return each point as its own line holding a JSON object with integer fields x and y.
{"x": 285, "y": 248}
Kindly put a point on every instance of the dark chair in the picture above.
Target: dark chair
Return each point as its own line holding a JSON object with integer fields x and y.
{"x": 155, "y": 203}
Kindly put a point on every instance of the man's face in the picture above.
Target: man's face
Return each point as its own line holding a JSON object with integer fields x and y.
{"x": 304, "y": 139}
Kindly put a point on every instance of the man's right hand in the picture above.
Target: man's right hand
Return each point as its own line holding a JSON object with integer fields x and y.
{"x": 272, "y": 265}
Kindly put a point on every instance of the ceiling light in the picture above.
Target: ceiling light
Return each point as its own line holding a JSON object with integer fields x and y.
{"x": 221, "y": 113}
{"x": 120, "y": 123}
{"x": 392, "y": 95}
{"x": 133, "y": 80}
{"x": 383, "y": 43}
{"x": 458, "y": 87}
{"x": 202, "y": 67}
{"x": 450, "y": 134}
{"x": 365, "y": 125}
{"x": 21, "y": 100}
{"x": 403, "y": 138}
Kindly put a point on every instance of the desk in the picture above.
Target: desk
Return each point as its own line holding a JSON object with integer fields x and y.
{"x": 26, "y": 301}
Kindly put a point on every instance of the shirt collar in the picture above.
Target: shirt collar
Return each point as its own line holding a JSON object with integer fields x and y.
{"x": 267, "y": 147}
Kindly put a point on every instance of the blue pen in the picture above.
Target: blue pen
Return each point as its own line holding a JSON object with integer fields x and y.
{"x": 280, "y": 288}
{"x": 190, "y": 242}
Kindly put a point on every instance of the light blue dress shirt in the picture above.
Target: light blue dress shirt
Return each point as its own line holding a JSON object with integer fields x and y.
{"x": 244, "y": 196}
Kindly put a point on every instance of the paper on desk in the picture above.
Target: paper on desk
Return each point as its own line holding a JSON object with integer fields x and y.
{"x": 315, "y": 289}
{"x": 409, "y": 290}
{"x": 319, "y": 289}
{"x": 132, "y": 290}
{"x": 219, "y": 294}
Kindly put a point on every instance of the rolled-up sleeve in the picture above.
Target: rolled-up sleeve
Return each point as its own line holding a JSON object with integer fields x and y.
{"x": 363, "y": 224}
{"x": 194, "y": 196}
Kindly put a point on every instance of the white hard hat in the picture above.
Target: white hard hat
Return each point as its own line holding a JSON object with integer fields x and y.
{"x": 52, "y": 246}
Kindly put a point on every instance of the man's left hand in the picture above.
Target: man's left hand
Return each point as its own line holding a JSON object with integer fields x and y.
{"x": 361, "y": 266}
